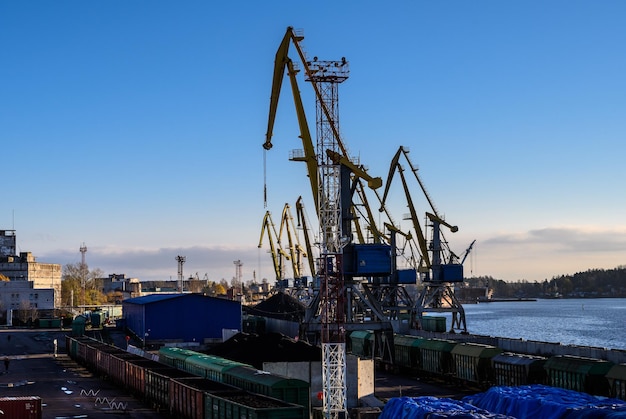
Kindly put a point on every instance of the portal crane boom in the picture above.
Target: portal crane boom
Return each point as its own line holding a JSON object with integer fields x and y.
{"x": 425, "y": 264}
{"x": 296, "y": 251}
{"x": 396, "y": 161}
{"x": 467, "y": 251}
{"x": 372, "y": 182}
{"x": 277, "y": 253}
{"x": 304, "y": 224}
{"x": 439, "y": 220}
{"x": 282, "y": 63}
{"x": 377, "y": 235}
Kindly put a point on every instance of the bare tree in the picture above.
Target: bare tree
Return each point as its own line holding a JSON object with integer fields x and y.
{"x": 27, "y": 313}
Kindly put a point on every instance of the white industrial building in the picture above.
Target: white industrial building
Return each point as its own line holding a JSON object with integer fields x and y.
{"x": 24, "y": 281}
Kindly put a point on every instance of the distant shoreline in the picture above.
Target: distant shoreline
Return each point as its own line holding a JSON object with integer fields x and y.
{"x": 505, "y": 300}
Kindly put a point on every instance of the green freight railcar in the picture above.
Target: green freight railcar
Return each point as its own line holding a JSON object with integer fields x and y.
{"x": 175, "y": 357}
{"x": 436, "y": 356}
{"x": 407, "y": 351}
{"x": 472, "y": 363}
{"x": 246, "y": 405}
{"x": 434, "y": 323}
{"x": 519, "y": 369}
{"x": 576, "y": 373}
{"x": 210, "y": 367}
{"x": 290, "y": 390}
{"x": 617, "y": 381}
{"x": 71, "y": 346}
{"x": 361, "y": 343}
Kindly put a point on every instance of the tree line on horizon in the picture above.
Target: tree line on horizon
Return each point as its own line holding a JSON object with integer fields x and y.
{"x": 589, "y": 284}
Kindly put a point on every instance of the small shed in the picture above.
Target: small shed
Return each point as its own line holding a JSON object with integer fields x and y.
{"x": 180, "y": 317}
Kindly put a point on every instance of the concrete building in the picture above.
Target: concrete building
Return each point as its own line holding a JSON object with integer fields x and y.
{"x": 117, "y": 284}
{"x": 31, "y": 280}
{"x": 15, "y": 294}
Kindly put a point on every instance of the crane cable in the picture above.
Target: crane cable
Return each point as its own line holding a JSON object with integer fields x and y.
{"x": 264, "y": 178}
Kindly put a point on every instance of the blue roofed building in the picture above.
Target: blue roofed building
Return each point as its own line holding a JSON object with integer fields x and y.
{"x": 165, "y": 318}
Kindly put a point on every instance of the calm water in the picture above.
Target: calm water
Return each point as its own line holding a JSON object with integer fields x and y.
{"x": 587, "y": 322}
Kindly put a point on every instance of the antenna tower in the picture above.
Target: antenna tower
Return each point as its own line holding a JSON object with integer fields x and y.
{"x": 181, "y": 260}
{"x": 238, "y": 275}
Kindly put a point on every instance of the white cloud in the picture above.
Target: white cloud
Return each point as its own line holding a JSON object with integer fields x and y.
{"x": 160, "y": 264}
{"x": 543, "y": 253}
{"x": 532, "y": 255}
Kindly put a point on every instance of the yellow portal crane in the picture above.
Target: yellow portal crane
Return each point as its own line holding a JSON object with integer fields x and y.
{"x": 436, "y": 270}
{"x": 296, "y": 251}
{"x": 277, "y": 253}
{"x": 424, "y": 266}
{"x": 282, "y": 62}
{"x": 395, "y": 166}
{"x": 304, "y": 224}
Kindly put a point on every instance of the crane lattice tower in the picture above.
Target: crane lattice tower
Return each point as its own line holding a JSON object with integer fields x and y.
{"x": 326, "y": 77}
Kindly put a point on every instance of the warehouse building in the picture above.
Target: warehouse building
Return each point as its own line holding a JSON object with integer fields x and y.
{"x": 181, "y": 318}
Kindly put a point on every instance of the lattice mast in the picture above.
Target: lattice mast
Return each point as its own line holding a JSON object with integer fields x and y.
{"x": 238, "y": 273}
{"x": 326, "y": 77}
{"x": 181, "y": 261}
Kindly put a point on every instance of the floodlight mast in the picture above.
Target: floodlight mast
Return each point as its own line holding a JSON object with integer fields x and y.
{"x": 325, "y": 177}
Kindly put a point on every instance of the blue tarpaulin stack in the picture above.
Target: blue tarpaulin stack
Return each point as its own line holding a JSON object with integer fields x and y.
{"x": 540, "y": 401}
{"x": 521, "y": 402}
{"x": 428, "y": 407}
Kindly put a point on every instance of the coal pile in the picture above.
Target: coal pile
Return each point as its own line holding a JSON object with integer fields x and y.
{"x": 279, "y": 306}
{"x": 270, "y": 347}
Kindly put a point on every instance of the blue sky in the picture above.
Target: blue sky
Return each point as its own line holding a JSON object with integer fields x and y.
{"x": 136, "y": 127}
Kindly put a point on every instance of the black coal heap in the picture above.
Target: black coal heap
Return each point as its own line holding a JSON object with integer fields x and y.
{"x": 270, "y": 347}
{"x": 279, "y": 306}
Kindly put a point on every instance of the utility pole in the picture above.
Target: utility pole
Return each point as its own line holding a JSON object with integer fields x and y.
{"x": 83, "y": 272}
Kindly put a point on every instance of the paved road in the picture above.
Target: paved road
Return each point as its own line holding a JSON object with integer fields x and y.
{"x": 66, "y": 389}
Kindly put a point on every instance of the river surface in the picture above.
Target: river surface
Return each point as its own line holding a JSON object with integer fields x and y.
{"x": 597, "y": 322}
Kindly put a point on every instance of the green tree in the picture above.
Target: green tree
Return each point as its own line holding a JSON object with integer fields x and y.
{"x": 214, "y": 289}
{"x": 78, "y": 285}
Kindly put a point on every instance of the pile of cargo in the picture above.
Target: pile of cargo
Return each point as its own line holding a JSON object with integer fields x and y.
{"x": 547, "y": 402}
{"x": 279, "y": 306}
{"x": 530, "y": 401}
{"x": 255, "y": 349}
{"x": 434, "y": 408}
